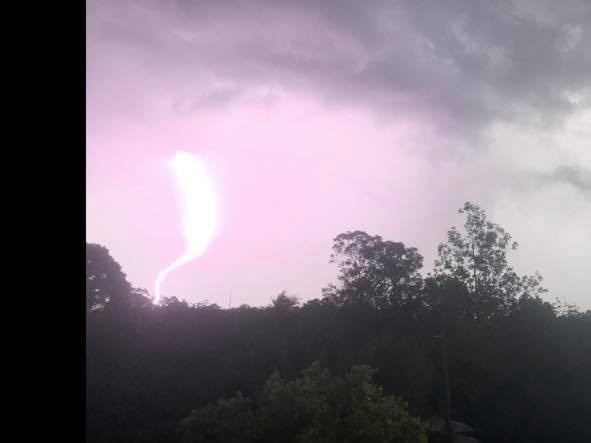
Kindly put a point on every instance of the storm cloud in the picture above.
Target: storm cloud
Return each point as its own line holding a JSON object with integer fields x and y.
{"x": 461, "y": 64}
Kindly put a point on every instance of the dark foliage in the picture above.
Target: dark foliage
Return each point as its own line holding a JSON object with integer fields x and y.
{"x": 315, "y": 407}
{"x": 519, "y": 367}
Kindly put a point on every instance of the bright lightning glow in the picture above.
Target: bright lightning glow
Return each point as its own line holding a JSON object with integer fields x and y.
{"x": 198, "y": 209}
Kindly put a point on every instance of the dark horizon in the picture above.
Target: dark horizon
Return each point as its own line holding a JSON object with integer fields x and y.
{"x": 472, "y": 345}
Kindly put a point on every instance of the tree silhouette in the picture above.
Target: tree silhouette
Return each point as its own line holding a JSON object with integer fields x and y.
{"x": 478, "y": 259}
{"x": 107, "y": 285}
{"x": 374, "y": 271}
{"x": 519, "y": 368}
{"x": 285, "y": 302}
{"x": 105, "y": 281}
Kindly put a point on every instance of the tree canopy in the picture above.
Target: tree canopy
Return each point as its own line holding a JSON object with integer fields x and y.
{"x": 519, "y": 367}
{"x": 315, "y": 407}
{"x": 478, "y": 259}
{"x": 374, "y": 271}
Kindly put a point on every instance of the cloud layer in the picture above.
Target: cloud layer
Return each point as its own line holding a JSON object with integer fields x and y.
{"x": 460, "y": 63}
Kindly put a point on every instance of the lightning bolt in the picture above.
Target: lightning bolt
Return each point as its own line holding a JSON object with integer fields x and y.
{"x": 199, "y": 213}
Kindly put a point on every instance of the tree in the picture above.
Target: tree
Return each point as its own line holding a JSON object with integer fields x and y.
{"x": 316, "y": 407}
{"x": 521, "y": 376}
{"x": 107, "y": 285}
{"x": 478, "y": 259}
{"x": 174, "y": 303}
{"x": 374, "y": 271}
{"x": 225, "y": 421}
{"x": 105, "y": 281}
{"x": 285, "y": 302}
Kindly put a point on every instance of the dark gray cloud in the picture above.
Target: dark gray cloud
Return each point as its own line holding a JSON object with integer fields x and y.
{"x": 461, "y": 64}
{"x": 576, "y": 176}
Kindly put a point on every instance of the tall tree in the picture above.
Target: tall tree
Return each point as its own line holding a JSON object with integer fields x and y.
{"x": 374, "y": 271}
{"x": 478, "y": 259}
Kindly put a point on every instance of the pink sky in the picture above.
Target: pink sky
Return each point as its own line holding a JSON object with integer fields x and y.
{"x": 315, "y": 122}
{"x": 289, "y": 178}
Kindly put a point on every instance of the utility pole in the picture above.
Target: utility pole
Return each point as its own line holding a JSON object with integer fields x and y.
{"x": 443, "y": 337}
{"x": 448, "y": 430}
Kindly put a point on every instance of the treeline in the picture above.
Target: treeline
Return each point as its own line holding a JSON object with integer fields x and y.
{"x": 519, "y": 367}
